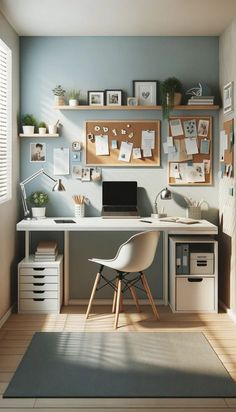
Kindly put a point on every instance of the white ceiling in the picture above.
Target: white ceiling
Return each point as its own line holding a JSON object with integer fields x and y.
{"x": 119, "y": 17}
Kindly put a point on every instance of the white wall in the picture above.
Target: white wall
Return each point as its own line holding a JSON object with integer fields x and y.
{"x": 227, "y": 203}
{"x": 9, "y": 210}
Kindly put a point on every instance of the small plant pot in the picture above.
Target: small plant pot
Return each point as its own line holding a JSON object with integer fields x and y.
{"x": 42, "y": 130}
{"x": 73, "y": 102}
{"x": 38, "y": 212}
{"x": 59, "y": 101}
{"x": 52, "y": 128}
{"x": 28, "y": 129}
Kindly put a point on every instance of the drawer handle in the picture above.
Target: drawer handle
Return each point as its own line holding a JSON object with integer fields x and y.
{"x": 201, "y": 263}
{"x": 195, "y": 279}
{"x": 38, "y": 269}
{"x": 38, "y": 276}
{"x": 38, "y": 299}
{"x": 39, "y": 291}
{"x": 38, "y": 284}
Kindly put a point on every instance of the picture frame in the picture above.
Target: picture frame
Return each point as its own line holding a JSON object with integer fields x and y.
{"x": 228, "y": 103}
{"x": 145, "y": 91}
{"x": 37, "y": 152}
{"x": 113, "y": 97}
{"x": 96, "y": 98}
{"x": 132, "y": 101}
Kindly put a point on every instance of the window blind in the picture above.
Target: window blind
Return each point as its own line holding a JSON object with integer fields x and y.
{"x": 5, "y": 122}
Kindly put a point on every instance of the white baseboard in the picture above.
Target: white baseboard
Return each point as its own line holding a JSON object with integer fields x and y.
{"x": 99, "y": 302}
{"x": 229, "y": 311}
{"x": 6, "y": 316}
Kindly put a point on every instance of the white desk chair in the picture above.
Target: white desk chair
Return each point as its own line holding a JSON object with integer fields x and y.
{"x": 133, "y": 256}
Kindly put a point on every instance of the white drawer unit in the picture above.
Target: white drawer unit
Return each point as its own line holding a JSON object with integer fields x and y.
{"x": 40, "y": 286}
{"x": 193, "y": 274}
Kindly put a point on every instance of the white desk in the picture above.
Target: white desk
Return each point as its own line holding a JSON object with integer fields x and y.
{"x": 99, "y": 224}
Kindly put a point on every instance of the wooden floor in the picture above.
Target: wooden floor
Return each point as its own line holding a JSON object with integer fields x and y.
{"x": 17, "y": 332}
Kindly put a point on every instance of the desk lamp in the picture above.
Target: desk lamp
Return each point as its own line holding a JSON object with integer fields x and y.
{"x": 58, "y": 187}
{"x": 165, "y": 194}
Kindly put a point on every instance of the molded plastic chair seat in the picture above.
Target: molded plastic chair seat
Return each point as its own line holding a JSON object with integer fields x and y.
{"x": 133, "y": 256}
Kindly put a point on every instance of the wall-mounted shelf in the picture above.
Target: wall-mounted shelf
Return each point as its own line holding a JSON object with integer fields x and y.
{"x": 181, "y": 107}
{"x": 39, "y": 135}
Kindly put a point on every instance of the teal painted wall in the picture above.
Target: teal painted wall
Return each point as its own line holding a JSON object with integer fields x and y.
{"x": 90, "y": 63}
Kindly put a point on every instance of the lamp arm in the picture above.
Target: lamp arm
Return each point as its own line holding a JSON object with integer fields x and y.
{"x": 155, "y": 203}
{"x": 24, "y": 203}
{"x": 50, "y": 177}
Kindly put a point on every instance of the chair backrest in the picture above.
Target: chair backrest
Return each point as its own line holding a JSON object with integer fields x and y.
{"x": 137, "y": 253}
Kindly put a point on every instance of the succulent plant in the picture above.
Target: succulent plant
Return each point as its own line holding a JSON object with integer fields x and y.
{"x": 58, "y": 91}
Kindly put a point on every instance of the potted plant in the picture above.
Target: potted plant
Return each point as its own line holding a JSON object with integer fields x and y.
{"x": 171, "y": 94}
{"x": 73, "y": 96}
{"x": 38, "y": 200}
{"x": 28, "y": 123}
{"x": 42, "y": 128}
{"x": 59, "y": 93}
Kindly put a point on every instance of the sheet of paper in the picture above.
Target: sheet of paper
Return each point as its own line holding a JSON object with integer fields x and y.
{"x": 165, "y": 147}
{"x": 180, "y": 155}
{"x": 204, "y": 147}
{"x": 170, "y": 141}
{"x": 207, "y": 164}
{"x": 174, "y": 170}
{"x": 61, "y": 161}
{"x": 114, "y": 144}
{"x": 147, "y": 152}
{"x": 196, "y": 173}
{"x": 203, "y": 127}
{"x": 223, "y": 145}
{"x": 125, "y": 151}
{"x": 176, "y": 127}
{"x": 148, "y": 139}
{"x": 191, "y": 145}
{"x": 171, "y": 149}
{"x": 190, "y": 128}
{"x": 102, "y": 147}
{"x": 137, "y": 153}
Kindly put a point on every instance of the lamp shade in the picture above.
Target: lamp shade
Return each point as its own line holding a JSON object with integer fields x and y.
{"x": 166, "y": 194}
{"x": 58, "y": 187}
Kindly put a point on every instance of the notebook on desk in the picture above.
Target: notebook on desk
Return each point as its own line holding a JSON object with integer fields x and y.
{"x": 119, "y": 200}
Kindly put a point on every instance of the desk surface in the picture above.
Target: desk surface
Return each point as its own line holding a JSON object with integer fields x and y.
{"x": 99, "y": 224}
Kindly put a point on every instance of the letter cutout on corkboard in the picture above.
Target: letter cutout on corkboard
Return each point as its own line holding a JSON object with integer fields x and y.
{"x": 126, "y": 143}
{"x": 189, "y": 147}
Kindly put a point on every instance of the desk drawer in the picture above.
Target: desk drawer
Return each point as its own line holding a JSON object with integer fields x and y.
{"x": 38, "y": 286}
{"x": 31, "y": 305}
{"x": 38, "y": 279}
{"x": 38, "y": 271}
{"x": 195, "y": 294}
{"x": 38, "y": 294}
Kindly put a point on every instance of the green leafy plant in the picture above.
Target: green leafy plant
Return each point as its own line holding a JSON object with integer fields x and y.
{"x": 29, "y": 120}
{"x": 38, "y": 199}
{"x": 42, "y": 124}
{"x": 73, "y": 94}
{"x": 58, "y": 91}
{"x": 168, "y": 89}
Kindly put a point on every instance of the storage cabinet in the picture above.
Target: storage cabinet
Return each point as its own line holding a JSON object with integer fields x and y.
{"x": 193, "y": 274}
{"x": 40, "y": 286}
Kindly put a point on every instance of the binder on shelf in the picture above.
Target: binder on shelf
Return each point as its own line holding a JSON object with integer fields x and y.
{"x": 182, "y": 258}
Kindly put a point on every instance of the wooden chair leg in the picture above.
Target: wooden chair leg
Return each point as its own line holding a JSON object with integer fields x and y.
{"x": 114, "y": 297}
{"x": 134, "y": 296}
{"x": 118, "y": 303}
{"x": 92, "y": 294}
{"x": 147, "y": 289}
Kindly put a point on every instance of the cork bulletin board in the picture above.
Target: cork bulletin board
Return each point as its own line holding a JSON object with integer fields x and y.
{"x": 193, "y": 169}
{"x": 119, "y": 134}
{"x": 228, "y": 127}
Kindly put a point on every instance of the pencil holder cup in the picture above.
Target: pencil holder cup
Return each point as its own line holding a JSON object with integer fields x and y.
{"x": 194, "y": 212}
{"x": 79, "y": 211}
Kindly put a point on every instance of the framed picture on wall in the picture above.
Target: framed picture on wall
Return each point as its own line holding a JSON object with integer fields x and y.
{"x": 145, "y": 91}
{"x": 113, "y": 97}
{"x": 95, "y": 98}
{"x": 228, "y": 103}
{"x": 38, "y": 152}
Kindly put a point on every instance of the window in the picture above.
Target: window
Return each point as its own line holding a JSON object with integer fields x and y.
{"x": 5, "y": 122}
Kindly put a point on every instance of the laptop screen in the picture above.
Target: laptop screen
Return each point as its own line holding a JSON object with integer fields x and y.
{"x": 119, "y": 193}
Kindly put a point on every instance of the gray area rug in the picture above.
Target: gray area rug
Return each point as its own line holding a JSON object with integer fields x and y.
{"x": 127, "y": 365}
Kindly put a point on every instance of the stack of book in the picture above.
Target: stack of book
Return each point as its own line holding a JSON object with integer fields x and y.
{"x": 46, "y": 251}
{"x": 201, "y": 100}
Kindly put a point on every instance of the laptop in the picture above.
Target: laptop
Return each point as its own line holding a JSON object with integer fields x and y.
{"x": 119, "y": 200}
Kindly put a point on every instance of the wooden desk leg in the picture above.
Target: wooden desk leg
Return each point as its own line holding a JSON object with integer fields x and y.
{"x": 66, "y": 268}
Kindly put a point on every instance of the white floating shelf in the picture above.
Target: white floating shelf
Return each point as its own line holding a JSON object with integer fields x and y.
{"x": 39, "y": 135}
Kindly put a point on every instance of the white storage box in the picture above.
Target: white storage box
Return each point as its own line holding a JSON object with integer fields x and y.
{"x": 201, "y": 263}
{"x": 195, "y": 294}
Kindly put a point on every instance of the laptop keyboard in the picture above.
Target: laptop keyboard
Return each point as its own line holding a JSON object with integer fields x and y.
{"x": 119, "y": 209}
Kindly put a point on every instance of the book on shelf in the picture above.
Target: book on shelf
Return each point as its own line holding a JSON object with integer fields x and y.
{"x": 201, "y": 100}
{"x": 47, "y": 246}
